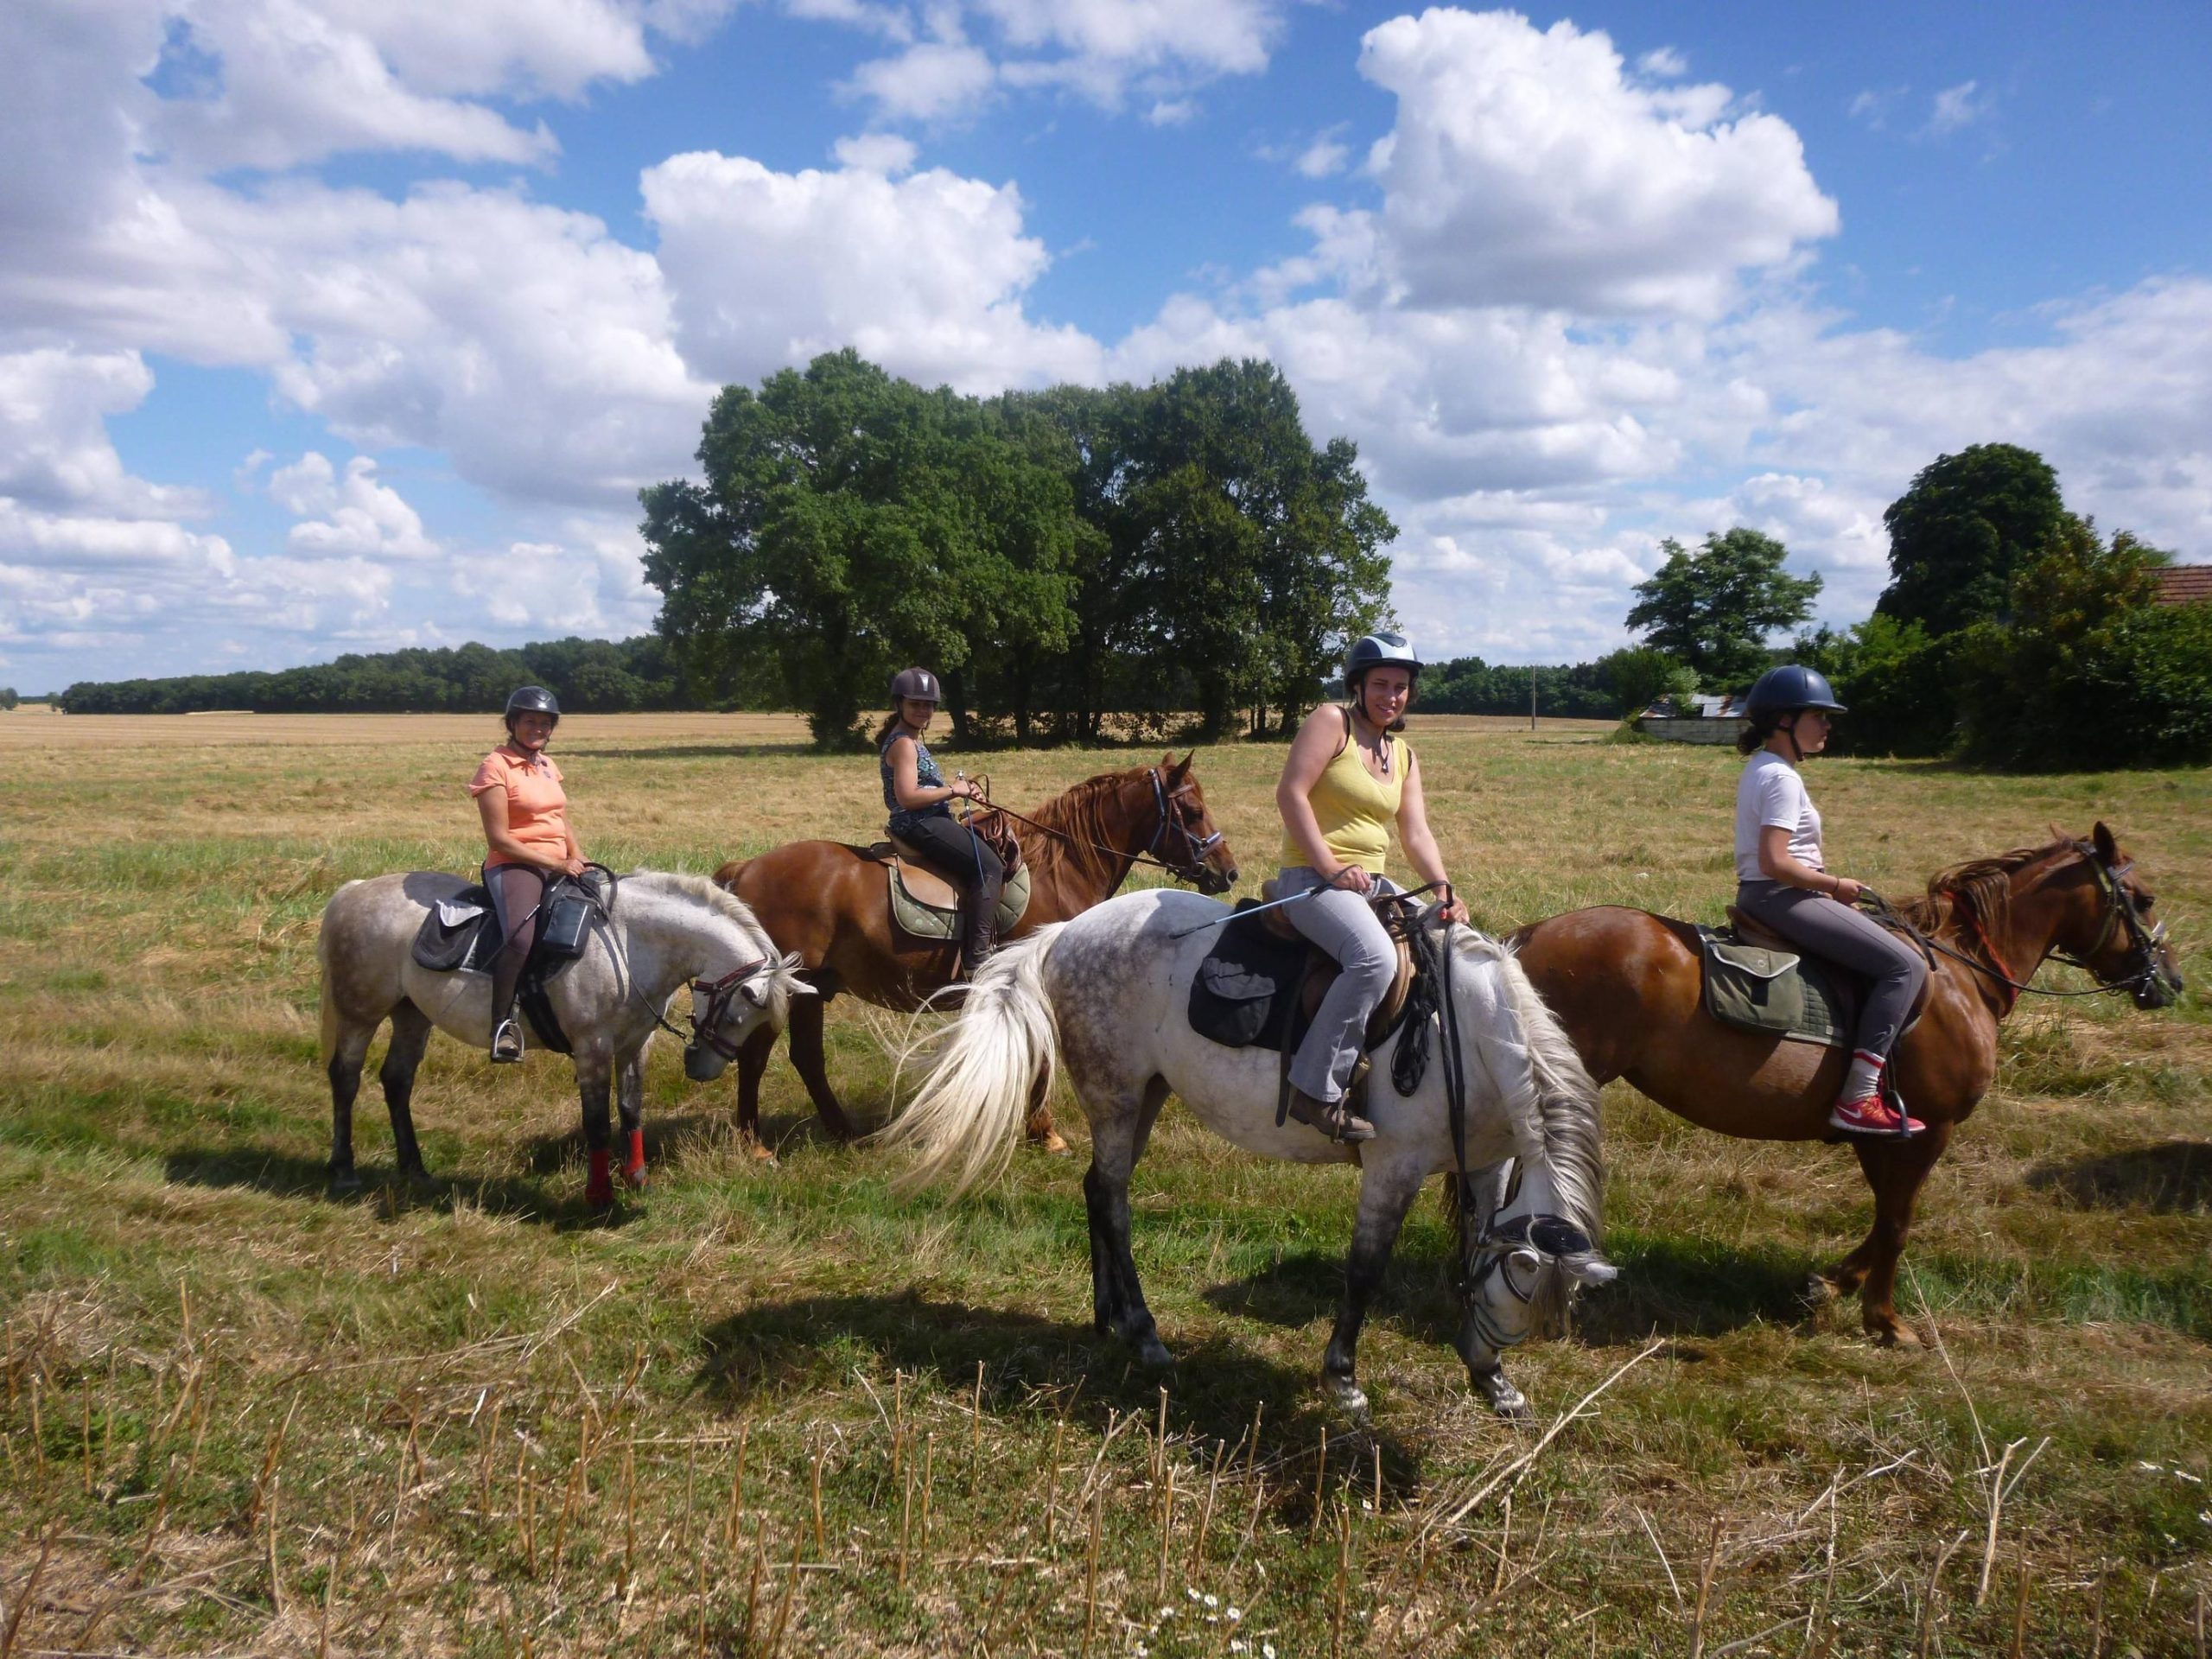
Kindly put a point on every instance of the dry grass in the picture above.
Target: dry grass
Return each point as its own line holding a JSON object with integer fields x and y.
{"x": 480, "y": 1423}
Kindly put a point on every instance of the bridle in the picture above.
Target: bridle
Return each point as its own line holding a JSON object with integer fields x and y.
{"x": 1197, "y": 849}
{"x": 710, "y": 1000}
{"x": 2142, "y": 965}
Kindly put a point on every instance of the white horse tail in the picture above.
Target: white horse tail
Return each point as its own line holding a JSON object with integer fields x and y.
{"x": 986, "y": 1067}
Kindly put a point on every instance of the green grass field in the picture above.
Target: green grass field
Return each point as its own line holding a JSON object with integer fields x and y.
{"x": 775, "y": 1409}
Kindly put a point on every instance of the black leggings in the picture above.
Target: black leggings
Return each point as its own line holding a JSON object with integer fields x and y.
{"x": 958, "y": 855}
{"x": 517, "y": 890}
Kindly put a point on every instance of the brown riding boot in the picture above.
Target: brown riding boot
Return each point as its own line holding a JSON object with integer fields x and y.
{"x": 1334, "y": 1118}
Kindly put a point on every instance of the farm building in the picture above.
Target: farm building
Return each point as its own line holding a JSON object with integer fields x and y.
{"x": 1700, "y": 719}
{"x": 2185, "y": 584}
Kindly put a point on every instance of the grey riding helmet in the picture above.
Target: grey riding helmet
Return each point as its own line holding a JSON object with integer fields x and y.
{"x": 1786, "y": 689}
{"x": 1380, "y": 651}
{"x": 917, "y": 683}
{"x": 532, "y": 699}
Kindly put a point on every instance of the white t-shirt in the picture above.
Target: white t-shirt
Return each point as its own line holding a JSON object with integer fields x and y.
{"x": 1772, "y": 796}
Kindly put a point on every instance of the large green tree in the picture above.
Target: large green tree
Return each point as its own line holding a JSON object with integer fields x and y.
{"x": 1958, "y": 534}
{"x": 849, "y": 523}
{"x": 1713, "y": 609}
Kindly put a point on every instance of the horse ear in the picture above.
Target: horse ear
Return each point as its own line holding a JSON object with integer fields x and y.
{"x": 2108, "y": 848}
{"x": 1183, "y": 764}
{"x": 1167, "y": 761}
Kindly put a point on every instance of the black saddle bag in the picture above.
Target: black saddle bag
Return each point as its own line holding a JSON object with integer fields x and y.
{"x": 1246, "y": 990}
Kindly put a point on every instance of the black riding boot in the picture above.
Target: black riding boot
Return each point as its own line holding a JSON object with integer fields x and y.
{"x": 983, "y": 927}
{"x": 507, "y": 979}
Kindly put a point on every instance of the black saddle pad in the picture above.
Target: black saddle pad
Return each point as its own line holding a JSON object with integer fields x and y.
{"x": 1245, "y": 994}
{"x": 467, "y": 943}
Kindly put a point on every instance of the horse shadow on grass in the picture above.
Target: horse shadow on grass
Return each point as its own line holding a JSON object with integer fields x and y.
{"x": 555, "y": 1203}
{"x": 2173, "y": 1177}
{"x": 1035, "y": 1368}
{"x": 1679, "y": 1287}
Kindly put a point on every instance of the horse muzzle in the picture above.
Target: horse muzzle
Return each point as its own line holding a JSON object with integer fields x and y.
{"x": 1213, "y": 882}
{"x": 701, "y": 1064}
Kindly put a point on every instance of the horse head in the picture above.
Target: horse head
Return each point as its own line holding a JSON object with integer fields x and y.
{"x": 726, "y": 1012}
{"x": 1188, "y": 841}
{"x": 2109, "y": 930}
{"x": 1523, "y": 1272}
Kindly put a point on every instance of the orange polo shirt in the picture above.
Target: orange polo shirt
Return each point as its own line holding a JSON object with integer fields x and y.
{"x": 537, "y": 810}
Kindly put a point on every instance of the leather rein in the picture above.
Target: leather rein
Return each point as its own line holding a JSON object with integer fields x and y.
{"x": 2119, "y": 914}
{"x": 1198, "y": 848}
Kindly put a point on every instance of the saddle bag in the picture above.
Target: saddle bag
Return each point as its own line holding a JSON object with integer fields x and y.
{"x": 1245, "y": 990}
{"x": 565, "y": 923}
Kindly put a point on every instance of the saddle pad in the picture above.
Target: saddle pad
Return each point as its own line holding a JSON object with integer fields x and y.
{"x": 1247, "y": 987}
{"x": 928, "y": 921}
{"x": 1753, "y": 989}
{"x": 460, "y": 934}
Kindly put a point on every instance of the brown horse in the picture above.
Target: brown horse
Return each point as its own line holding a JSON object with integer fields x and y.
{"x": 827, "y": 901}
{"x": 1626, "y": 985}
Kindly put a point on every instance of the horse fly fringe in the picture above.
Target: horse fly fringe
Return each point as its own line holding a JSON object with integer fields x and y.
{"x": 968, "y": 1114}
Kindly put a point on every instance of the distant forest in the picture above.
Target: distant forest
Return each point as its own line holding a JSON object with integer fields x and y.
{"x": 617, "y": 676}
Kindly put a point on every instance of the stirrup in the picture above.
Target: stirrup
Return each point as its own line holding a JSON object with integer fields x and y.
{"x": 1334, "y": 1118}
{"x": 506, "y": 1042}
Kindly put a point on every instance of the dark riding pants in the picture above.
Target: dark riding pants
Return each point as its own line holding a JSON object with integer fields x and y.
{"x": 962, "y": 857}
{"x": 1851, "y": 938}
{"x": 517, "y": 891}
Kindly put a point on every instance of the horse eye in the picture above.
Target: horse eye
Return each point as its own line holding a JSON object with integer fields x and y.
{"x": 2142, "y": 903}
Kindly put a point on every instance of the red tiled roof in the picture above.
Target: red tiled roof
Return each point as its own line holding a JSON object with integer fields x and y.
{"x": 2185, "y": 584}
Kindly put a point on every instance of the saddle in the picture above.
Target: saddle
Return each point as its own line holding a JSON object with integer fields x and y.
{"x": 925, "y": 906}
{"x": 1262, "y": 983}
{"x": 462, "y": 935}
{"x": 1756, "y": 979}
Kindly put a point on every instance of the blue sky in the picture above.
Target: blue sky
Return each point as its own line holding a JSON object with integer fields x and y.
{"x": 333, "y": 325}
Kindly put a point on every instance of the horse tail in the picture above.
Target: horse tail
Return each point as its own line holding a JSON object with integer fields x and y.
{"x": 985, "y": 1070}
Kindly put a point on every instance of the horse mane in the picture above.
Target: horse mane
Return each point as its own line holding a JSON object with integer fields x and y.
{"x": 701, "y": 890}
{"x": 1080, "y": 813}
{"x": 1979, "y": 890}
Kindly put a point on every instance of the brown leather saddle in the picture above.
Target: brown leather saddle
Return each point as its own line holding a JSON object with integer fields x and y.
{"x": 923, "y": 884}
{"x": 1322, "y": 968}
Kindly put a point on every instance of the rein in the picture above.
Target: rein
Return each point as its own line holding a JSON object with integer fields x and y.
{"x": 2118, "y": 913}
{"x": 1197, "y": 846}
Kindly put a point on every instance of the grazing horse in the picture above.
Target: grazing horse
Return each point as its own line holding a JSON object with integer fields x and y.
{"x": 827, "y": 902}
{"x": 1626, "y": 984}
{"x": 659, "y": 933}
{"x": 1108, "y": 992}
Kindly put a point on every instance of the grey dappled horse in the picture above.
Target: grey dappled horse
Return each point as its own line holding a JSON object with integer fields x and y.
{"x": 1106, "y": 995}
{"x": 662, "y": 932}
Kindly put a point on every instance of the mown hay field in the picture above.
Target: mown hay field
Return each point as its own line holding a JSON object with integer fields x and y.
{"x": 778, "y": 1409}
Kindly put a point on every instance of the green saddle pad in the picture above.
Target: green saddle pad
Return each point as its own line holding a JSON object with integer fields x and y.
{"x": 1754, "y": 989}
{"x": 928, "y": 922}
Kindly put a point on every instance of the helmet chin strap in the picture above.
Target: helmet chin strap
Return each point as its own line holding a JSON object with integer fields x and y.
{"x": 1796, "y": 749}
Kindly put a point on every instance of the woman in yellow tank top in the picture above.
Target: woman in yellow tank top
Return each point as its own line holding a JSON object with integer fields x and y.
{"x": 1348, "y": 778}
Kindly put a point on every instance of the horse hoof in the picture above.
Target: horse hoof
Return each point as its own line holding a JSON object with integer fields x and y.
{"x": 1152, "y": 1353}
{"x": 347, "y": 1185}
{"x": 761, "y": 1152}
{"x": 635, "y": 1178}
{"x": 1894, "y": 1336}
{"x": 1051, "y": 1144}
{"x": 1505, "y": 1400}
{"x": 1350, "y": 1398}
{"x": 1821, "y": 1290}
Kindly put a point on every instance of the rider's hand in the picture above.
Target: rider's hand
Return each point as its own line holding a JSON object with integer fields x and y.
{"x": 572, "y": 867}
{"x": 966, "y": 790}
{"x": 1456, "y": 911}
{"x": 1353, "y": 877}
{"x": 1847, "y": 891}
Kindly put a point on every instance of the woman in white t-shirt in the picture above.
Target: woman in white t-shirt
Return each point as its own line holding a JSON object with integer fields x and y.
{"x": 1782, "y": 880}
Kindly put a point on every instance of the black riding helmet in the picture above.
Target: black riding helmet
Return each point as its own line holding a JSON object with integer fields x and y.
{"x": 532, "y": 699}
{"x": 919, "y": 683}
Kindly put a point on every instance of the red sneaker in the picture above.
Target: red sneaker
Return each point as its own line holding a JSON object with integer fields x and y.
{"x": 1871, "y": 1115}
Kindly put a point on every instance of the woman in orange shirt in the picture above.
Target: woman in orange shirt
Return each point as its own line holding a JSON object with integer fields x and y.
{"x": 525, "y": 814}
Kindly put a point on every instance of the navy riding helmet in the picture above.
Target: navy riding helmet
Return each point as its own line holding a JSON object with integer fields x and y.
{"x": 1786, "y": 689}
{"x": 917, "y": 684}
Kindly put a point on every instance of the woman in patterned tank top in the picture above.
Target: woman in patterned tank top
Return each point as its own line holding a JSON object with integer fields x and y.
{"x": 919, "y": 802}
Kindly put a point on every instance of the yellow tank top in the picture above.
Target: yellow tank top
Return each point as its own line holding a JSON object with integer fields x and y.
{"x": 1354, "y": 808}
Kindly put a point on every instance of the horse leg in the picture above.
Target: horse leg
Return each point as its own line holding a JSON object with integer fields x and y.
{"x": 809, "y": 1057}
{"x": 348, "y": 1053}
{"x": 410, "y": 1035}
{"x": 752, "y": 1065}
{"x": 1385, "y": 1194}
{"x": 1486, "y": 1366}
{"x": 1896, "y": 1180}
{"x": 1118, "y": 1132}
{"x": 630, "y": 1101}
{"x": 594, "y": 1077}
{"x": 1039, "y": 1130}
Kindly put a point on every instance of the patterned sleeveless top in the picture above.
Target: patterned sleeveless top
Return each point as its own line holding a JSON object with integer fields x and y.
{"x": 925, "y": 773}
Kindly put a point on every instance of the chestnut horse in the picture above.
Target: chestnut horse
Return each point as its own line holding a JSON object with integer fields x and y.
{"x": 827, "y": 901}
{"x": 1626, "y": 985}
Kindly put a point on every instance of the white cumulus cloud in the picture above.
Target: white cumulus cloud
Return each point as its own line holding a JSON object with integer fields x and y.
{"x": 348, "y": 515}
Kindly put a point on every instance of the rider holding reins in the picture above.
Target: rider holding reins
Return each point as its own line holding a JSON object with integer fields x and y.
{"x": 525, "y": 813}
{"x": 1349, "y": 777}
{"x": 1782, "y": 880}
{"x": 919, "y": 802}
